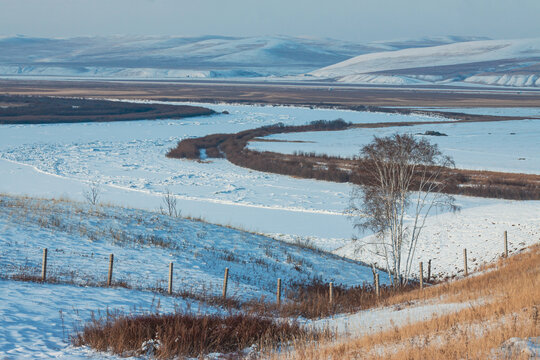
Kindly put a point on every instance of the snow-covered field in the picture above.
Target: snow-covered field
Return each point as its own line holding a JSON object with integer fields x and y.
{"x": 478, "y": 227}
{"x": 39, "y": 323}
{"x": 508, "y": 146}
{"x": 37, "y": 319}
{"x": 128, "y": 160}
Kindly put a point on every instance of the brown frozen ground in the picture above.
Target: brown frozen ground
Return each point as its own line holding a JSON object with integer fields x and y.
{"x": 310, "y": 94}
{"x": 16, "y": 109}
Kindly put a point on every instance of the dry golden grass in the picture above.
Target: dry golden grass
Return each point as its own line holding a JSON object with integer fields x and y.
{"x": 168, "y": 336}
{"x": 504, "y": 303}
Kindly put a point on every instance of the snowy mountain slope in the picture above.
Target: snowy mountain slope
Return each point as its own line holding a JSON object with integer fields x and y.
{"x": 179, "y": 57}
{"x": 161, "y": 56}
{"x": 81, "y": 237}
{"x": 426, "y": 41}
{"x": 493, "y": 62}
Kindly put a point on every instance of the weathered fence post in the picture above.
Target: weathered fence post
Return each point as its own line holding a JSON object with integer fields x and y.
{"x": 225, "y": 282}
{"x": 44, "y": 266}
{"x": 171, "y": 266}
{"x": 421, "y": 275}
{"x": 331, "y": 293}
{"x": 465, "y": 262}
{"x": 278, "y": 293}
{"x": 111, "y": 261}
{"x": 505, "y": 244}
{"x": 429, "y": 270}
{"x": 377, "y": 288}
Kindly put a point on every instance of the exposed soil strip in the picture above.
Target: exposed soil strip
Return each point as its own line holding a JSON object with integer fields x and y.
{"x": 281, "y": 141}
{"x": 301, "y": 94}
{"x": 322, "y": 167}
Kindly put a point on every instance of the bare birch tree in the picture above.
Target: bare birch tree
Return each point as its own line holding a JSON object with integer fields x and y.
{"x": 404, "y": 181}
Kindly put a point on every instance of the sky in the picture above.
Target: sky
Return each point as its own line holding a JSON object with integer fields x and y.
{"x": 356, "y": 20}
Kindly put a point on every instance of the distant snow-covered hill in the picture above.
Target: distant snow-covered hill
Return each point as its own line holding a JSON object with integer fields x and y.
{"x": 489, "y": 62}
{"x": 185, "y": 57}
{"x": 430, "y": 60}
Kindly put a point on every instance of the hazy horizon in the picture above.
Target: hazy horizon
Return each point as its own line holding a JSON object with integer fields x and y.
{"x": 247, "y": 36}
{"x": 365, "y": 21}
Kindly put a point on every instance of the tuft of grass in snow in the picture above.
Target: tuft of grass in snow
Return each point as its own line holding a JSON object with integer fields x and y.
{"x": 311, "y": 300}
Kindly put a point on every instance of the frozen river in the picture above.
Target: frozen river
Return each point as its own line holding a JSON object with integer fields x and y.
{"x": 507, "y": 146}
{"x": 128, "y": 160}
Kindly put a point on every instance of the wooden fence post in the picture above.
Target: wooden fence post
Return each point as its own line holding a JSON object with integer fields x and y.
{"x": 429, "y": 270}
{"x": 465, "y": 262}
{"x": 169, "y": 290}
{"x": 331, "y": 293}
{"x": 377, "y": 287}
{"x": 225, "y": 282}
{"x": 505, "y": 244}
{"x": 278, "y": 293}
{"x": 44, "y": 266}
{"x": 109, "y": 278}
{"x": 421, "y": 275}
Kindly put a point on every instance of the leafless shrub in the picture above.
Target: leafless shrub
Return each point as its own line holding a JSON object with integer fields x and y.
{"x": 169, "y": 204}
{"x": 93, "y": 193}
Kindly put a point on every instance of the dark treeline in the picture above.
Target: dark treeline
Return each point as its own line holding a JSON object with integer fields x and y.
{"x": 323, "y": 167}
{"x": 43, "y": 110}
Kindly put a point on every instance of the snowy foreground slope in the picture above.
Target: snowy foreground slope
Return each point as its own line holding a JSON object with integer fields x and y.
{"x": 80, "y": 239}
{"x": 169, "y": 57}
{"x": 489, "y": 62}
{"x": 38, "y": 324}
{"x": 37, "y": 319}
